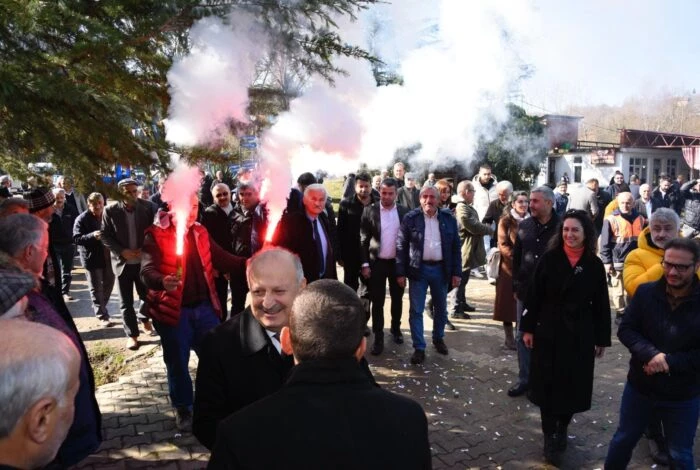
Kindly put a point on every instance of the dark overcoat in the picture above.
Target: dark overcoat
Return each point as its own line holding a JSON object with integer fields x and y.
{"x": 568, "y": 311}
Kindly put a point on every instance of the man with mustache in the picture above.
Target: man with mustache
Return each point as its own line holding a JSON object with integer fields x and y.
{"x": 241, "y": 360}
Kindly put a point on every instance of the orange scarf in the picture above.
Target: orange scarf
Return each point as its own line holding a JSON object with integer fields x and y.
{"x": 574, "y": 254}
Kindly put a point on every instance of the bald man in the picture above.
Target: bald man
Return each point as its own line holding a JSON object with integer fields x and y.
{"x": 319, "y": 418}
{"x": 38, "y": 390}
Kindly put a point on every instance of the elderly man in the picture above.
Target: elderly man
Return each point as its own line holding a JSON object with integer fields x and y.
{"x": 531, "y": 242}
{"x": 376, "y": 184}
{"x": 24, "y": 240}
{"x": 408, "y": 195}
{"x": 327, "y": 401}
{"x": 182, "y": 297}
{"x": 643, "y": 203}
{"x": 218, "y": 220}
{"x": 349, "y": 215}
{"x": 73, "y": 197}
{"x": 241, "y": 360}
{"x": 399, "y": 173}
{"x": 617, "y": 238}
{"x": 379, "y": 228}
{"x": 87, "y": 234}
{"x": 61, "y": 234}
{"x": 309, "y": 235}
{"x": 427, "y": 252}
{"x": 495, "y": 210}
{"x": 38, "y": 393}
{"x": 471, "y": 235}
{"x": 661, "y": 328}
{"x": 123, "y": 226}
{"x": 248, "y": 229}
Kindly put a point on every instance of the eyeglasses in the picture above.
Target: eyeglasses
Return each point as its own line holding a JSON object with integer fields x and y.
{"x": 681, "y": 268}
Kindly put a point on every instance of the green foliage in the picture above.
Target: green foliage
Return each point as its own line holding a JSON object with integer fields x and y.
{"x": 83, "y": 82}
{"x": 514, "y": 149}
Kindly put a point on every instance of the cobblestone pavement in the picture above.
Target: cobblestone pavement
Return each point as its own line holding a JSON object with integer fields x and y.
{"x": 473, "y": 423}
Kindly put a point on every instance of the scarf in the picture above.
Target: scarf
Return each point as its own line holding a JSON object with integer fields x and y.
{"x": 517, "y": 216}
{"x": 574, "y": 254}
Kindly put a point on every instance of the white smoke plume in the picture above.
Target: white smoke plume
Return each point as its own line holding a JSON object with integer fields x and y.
{"x": 209, "y": 86}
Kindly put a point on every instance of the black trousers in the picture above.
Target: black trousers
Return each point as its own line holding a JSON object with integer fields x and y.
{"x": 354, "y": 280}
{"x": 383, "y": 269}
{"x": 127, "y": 280}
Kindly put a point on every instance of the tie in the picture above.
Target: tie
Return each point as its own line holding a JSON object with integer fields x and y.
{"x": 277, "y": 337}
{"x": 319, "y": 249}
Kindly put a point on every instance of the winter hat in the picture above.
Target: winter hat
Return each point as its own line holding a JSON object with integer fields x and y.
{"x": 39, "y": 198}
{"x": 13, "y": 286}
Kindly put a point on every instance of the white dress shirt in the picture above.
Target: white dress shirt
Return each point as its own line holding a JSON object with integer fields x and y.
{"x": 432, "y": 243}
{"x": 390, "y": 225}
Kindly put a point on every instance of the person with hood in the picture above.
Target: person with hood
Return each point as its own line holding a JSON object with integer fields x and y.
{"x": 618, "y": 238}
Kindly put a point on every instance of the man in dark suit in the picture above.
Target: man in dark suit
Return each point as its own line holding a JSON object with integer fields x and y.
{"x": 408, "y": 194}
{"x": 349, "y": 215}
{"x": 379, "y": 229}
{"x": 666, "y": 196}
{"x": 319, "y": 418}
{"x": 309, "y": 235}
{"x": 218, "y": 219}
{"x": 241, "y": 360}
{"x": 123, "y": 227}
{"x": 427, "y": 252}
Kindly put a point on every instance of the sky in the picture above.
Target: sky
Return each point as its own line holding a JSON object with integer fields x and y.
{"x": 603, "y": 51}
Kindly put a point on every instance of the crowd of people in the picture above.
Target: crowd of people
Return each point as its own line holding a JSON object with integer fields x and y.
{"x": 563, "y": 254}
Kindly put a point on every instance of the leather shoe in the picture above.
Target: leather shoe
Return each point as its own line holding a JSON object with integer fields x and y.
{"x": 468, "y": 308}
{"x": 132, "y": 343}
{"x": 450, "y": 326}
{"x": 377, "y": 347}
{"x": 460, "y": 316}
{"x": 518, "y": 390}
{"x": 440, "y": 346}
{"x": 398, "y": 336}
{"x": 418, "y": 357}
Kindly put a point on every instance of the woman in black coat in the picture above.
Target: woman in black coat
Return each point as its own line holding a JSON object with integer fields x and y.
{"x": 567, "y": 325}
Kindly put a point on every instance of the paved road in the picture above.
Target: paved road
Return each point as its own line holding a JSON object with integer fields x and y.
{"x": 473, "y": 423}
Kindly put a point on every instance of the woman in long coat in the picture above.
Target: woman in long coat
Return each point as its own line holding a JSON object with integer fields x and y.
{"x": 567, "y": 325}
{"x": 504, "y": 305}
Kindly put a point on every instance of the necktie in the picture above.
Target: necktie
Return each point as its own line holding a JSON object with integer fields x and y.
{"x": 319, "y": 250}
{"x": 277, "y": 337}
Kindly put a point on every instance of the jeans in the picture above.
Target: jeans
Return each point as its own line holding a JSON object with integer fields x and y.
{"x": 383, "y": 269}
{"x": 430, "y": 276}
{"x": 101, "y": 282}
{"x": 65, "y": 255}
{"x": 460, "y": 297}
{"x": 679, "y": 418}
{"x": 130, "y": 277}
{"x": 177, "y": 341}
{"x": 523, "y": 352}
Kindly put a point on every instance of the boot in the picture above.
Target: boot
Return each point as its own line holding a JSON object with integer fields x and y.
{"x": 510, "y": 339}
{"x": 551, "y": 453}
{"x": 562, "y": 436}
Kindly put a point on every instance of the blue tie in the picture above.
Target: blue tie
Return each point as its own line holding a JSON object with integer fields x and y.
{"x": 319, "y": 249}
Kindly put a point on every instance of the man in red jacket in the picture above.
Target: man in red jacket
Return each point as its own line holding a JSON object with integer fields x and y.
{"x": 182, "y": 297}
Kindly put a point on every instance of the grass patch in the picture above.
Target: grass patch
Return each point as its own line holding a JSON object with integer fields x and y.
{"x": 335, "y": 191}
{"x": 108, "y": 363}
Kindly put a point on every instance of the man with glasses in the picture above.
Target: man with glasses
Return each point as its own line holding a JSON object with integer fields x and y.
{"x": 661, "y": 328}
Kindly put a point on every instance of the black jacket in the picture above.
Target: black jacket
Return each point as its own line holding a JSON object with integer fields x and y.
{"x": 371, "y": 231}
{"x": 93, "y": 254}
{"x": 238, "y": 365}
{"x": 649, "y": 327}
{"x": 295, "y": 232}
{"x": 61, "y": 226}
{"x": 349, "y": 216}
{"x": 408, "y": 197}
{"x": 218, "y": 224}
{"x": 319, "y": 420}
{"x": 248, "y": 229}
{"x": 672, "y": 199}
{"x": 530, "y": 244}
{"x": 691, "y": 205}
{"x": 115, "y": 233}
